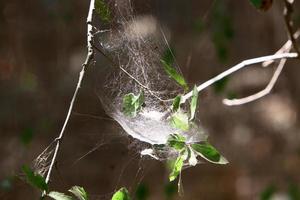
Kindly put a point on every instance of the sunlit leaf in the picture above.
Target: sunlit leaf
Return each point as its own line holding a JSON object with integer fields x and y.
{"x": 34, "y": 179}
{"x": 102, "y": 10}
{"x": 174, "y": 74}
{"x": 176, "y": 141}
{"x": 176, "y": 168}
{"x": 209, "y": 153}
{"x": 79, "y": 192}
{"x": 132, "y": 104}
{"x": 122, "y": 194}
{"x": 176, "y": 103}
{"x": 59, "y": 196}
{"x": 194, "y": 101}
{"x": 180, "y": 121}
{"x": 263, "y": 5}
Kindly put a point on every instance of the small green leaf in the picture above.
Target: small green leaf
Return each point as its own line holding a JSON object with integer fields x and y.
{"x": 34, "y": 179}
{"x": 132, "y": 104}
{"x": 102, "y": 9}
{"x": 122, "y": 194}
{"x": 176, "y": 103}
{"x": 79, "y": 192}
{"x": 176, "y": 141}
{"x": 180, "y": 121}
{"x": 193, "y": 105}
{"x": 262, "y": 4}
{"x": 59, "y": 196}
{"x": 174, "y": 74}
{"x": 209, "y": 153}
{"x": 168, "y": 56}
{"x": 176, "y": 168}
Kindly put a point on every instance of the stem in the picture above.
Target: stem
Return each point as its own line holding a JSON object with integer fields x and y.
{"x": 88, "y": 60}
{"x": 236, "y": 68}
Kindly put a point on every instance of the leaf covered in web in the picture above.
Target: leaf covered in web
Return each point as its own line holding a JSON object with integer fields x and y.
{"x": 176, "y": 167}
{"x": 79, "y": 192}
{"x": 176, "y": 141}
{"x": 59, "y": 196}
{"x": 180, "y": 120}
{"x": 132, "y": 104}
{"x": 171, "y": 71}
{"x": 102, "y": 10}
{"x": 193, "y": 105}
{"x": 176, "y": 103}
{"x": 121, "y": 194}
{"x": 34, "y": 179}
{"x": 209, "y": 153}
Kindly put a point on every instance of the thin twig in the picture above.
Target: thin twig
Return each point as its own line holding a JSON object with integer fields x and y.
{"x": 88, "y": 60}
{"x": 260, "y": 94}
{"x": 287, "y": 13}
{"x": 237, "y": 67}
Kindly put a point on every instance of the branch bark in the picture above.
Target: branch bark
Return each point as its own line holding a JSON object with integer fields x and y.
{"x": 88, "y": 61}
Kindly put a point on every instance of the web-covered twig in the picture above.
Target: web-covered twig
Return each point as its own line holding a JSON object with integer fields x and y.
{"x": 88, "y": 60}
{"x": 237, "y": 67}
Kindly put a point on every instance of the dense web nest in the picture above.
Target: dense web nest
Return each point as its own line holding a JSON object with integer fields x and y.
{"x": 135, "y": 45}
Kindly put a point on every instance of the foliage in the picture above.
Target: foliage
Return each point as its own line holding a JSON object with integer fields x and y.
{"x": 176, "y": 103}
{"x": 121, "y": 194}
{"x": 102, "y": 10}
{"x": 34, "y": 179}
{"x": 79, "y": 192}
{"x": 59, "y": 196}
{"x": 132, "y": 104}
{"x": 209, "y": 153}
{"x": 171, "y": 71}
{"x": 176, "y": 167}
{"x": 180, "y": 120}
{"x": 193, "y": 104}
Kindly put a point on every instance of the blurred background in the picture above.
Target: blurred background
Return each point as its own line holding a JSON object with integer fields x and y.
{"x": 42, "y": 47}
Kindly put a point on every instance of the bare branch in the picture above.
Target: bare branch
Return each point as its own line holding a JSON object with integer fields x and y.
{"x": 88, "y": 60}
{"x": 237, "y": 67}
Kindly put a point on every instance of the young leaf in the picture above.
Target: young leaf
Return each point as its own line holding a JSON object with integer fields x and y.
{"x": 102, "y": 9}
{"x": 79, "y": 192}
{"x": 176, "y": 103}
{"x": 168, "y": 56}
{"x": 262, "y": 4}
{"x": 176, "y": 168}
{"x": 34, "y": 179}
{"x": 59, "y": 196}
{"x": 122, "y": 194}
{"x": 209, "y": 153}
{"x": 180, "y": 121}
{"x": 174, "y": 75}
{"x": 176, "y": 141}
{"x": 132, "y": 104}
{"x": 193, "y": 105}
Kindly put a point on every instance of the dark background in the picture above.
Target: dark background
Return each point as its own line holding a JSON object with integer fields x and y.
{"x": 42, "y": 47}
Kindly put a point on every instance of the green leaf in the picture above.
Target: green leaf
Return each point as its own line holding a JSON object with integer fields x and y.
{"x": 176, "y": 141}
{"x": 168, "y": 56}
{"x": 262, "y": 4}
{"x": 79, "y": 192}
{"x": 176, "y": 103}
{"x": 209, "y": 153}
{"x": 102, "y": 10}
{"x": 193, "y": 105}
{"x": 34, "y": 179}
{"x": 176, "y": 168}
{"x": 59, "y": 196}
{"x": 174, "y": 74}
{"x": 180, "y": 121}
{"x": 122, "y": 194}
{"x": 132, "y": 104}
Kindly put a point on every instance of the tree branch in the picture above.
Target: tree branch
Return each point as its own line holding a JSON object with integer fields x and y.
{"x": 88, "y": 60}
{"x": 237, "y": 67}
